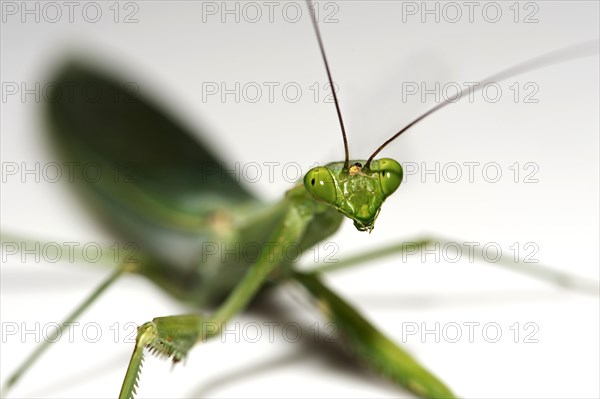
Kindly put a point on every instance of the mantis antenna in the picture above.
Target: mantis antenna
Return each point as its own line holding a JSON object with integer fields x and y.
{"x": 564, "y": 54}
{"x": 310, "y": 5}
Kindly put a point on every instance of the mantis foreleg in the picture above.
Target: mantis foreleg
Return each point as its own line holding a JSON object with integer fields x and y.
{"x": 174, "y": 336}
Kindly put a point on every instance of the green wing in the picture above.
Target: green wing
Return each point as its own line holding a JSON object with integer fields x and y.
{"x": 145, "y": 173}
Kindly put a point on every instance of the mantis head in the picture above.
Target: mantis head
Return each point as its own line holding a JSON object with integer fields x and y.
{"x": 357, "y": 191}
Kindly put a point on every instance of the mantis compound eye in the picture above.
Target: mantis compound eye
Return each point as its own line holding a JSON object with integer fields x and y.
{"x": 320, "y": 183}
{"x": 390, "y": 175}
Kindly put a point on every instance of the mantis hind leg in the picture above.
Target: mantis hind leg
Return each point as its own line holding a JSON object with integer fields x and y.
{"x": 535, "y": 270}
{"x": 372, "y": 346}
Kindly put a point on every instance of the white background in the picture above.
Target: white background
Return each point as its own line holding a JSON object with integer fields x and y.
{"x": 171, "y": 52}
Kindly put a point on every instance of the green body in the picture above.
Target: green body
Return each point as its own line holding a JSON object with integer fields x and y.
{"x": 173, "y": 198}
{"x": 200, "y": 235}
{"x": 205, "y": 239}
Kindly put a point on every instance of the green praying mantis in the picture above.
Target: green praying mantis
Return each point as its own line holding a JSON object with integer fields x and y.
{"x": 419, "y": 384}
